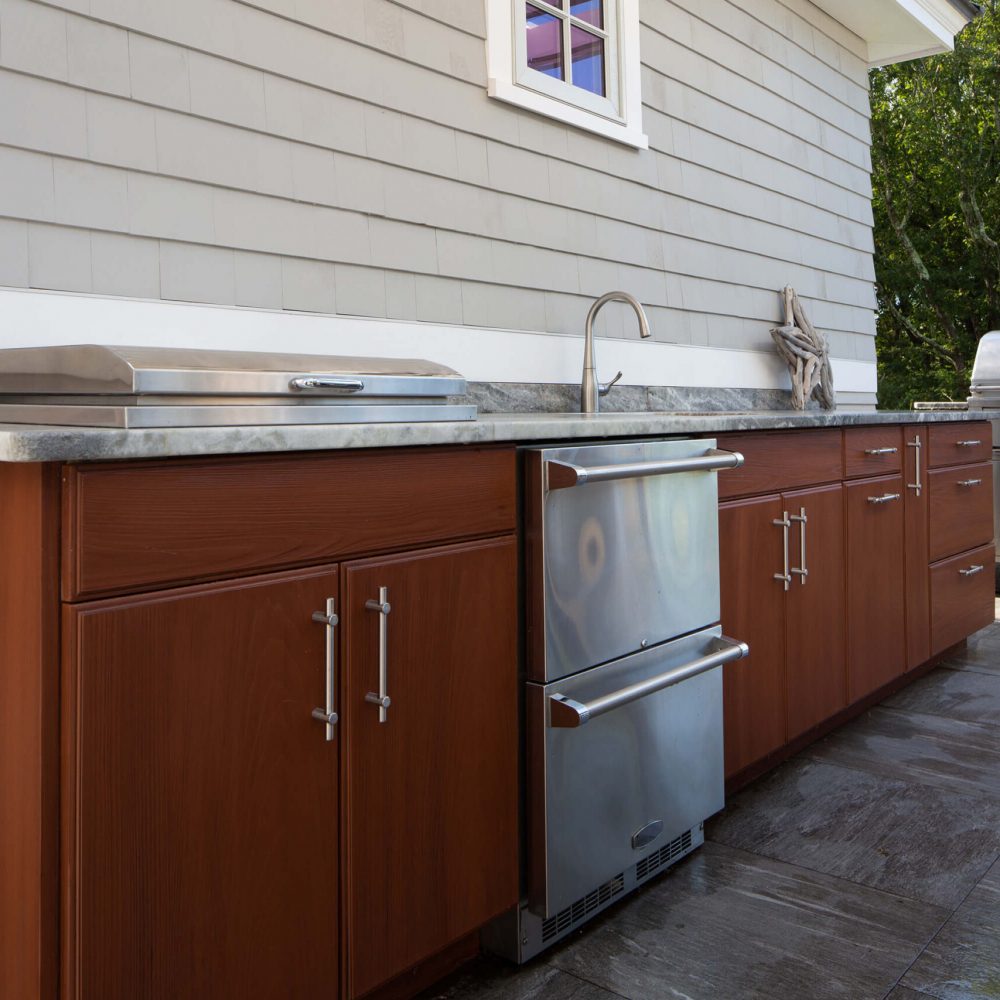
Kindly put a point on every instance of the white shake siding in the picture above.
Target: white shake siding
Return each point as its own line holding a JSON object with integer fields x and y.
{"x": 341, "y": 156}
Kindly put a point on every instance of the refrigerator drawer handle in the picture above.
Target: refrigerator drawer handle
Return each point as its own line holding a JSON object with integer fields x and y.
{"x": 332, "y": 383}
{"x": 565, "y": 713}
{"x": 562, "y": 475}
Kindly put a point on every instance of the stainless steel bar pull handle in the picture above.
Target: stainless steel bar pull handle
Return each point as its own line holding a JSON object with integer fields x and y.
{"x": 971, "y": 571}
{"x": 918, "y": 447}
{"x": 563, "y": 475}
{"x": 785, "y": 524}
{"x": 802, "y": 571}
{"x": 881, "y": 451}
{"x": 885, "y": 498}
{"x": 331, "y": 383}
{"x": 968, "y": 444}
{"x": 330, "y": 620}
{"x": 381, "y": 699}
{"x": 565, "y": 713}
{"x": 970, "y": 482}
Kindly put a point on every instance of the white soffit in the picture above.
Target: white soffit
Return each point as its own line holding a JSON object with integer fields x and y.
{"x": 897, "y": 30}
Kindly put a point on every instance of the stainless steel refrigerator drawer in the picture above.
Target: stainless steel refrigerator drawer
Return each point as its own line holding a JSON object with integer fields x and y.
{"x": 622, "y": 549}
{"x": 615, "y": 773}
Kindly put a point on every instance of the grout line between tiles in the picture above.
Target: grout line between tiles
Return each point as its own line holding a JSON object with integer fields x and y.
{"x": 590, "y": 982}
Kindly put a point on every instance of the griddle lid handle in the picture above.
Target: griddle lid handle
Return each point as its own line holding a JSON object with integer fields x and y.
{"x": 327, "y": 383}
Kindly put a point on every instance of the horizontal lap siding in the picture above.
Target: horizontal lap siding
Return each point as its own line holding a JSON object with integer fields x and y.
{"x": 327, "y": 155}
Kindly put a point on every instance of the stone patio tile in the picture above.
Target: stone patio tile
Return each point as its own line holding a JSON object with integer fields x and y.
{"x": 491, "y": 979}
{"x": 963, "y": 960}
{"x": 727, "y": 924}
{"x": 965, "y": 695}
{"x": 921, "y": 749}
{"x": 918, "y": 841}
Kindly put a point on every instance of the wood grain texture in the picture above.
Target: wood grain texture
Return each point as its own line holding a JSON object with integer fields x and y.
{"x": 860, "y": 441}
{"x": 201, "y": 846}
{"x": 753, "y": 610}
{"x": 143, "y": 525}
{"x": 876, "y": 615}
{"x": 29, "y": 731}
{"x": 961, "y": 605}
{"x": 431, "y": 794}
{"x": 945, "y": 449}
{"x": 815, "y": 626}
{"x": 782, "y": 461}
{"x": 961, "y": 516}
{"x": 916, "y": 542}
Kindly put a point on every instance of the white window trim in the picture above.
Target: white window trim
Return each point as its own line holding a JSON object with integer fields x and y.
{"x": 509, "y": 82}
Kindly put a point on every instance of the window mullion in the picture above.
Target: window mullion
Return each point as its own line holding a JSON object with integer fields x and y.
{"x": 568, "y": 49}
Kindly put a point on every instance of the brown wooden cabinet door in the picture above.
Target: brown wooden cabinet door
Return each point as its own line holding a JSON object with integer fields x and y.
{"x": 916, "y": 513}
{"x": 431, "y": 792}
{"x": 815, "y": 624}
{"x": 200, "y": 814}
{"x": 875, "y": 584}
{"x": 753, "y": 609}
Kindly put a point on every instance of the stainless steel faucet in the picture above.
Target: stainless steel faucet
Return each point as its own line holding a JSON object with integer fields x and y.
{"x": 590, "y": 389}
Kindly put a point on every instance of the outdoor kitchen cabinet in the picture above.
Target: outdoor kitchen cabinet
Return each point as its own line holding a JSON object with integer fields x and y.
{"x": 431, "y": 789}
{"x": 202, "y": 813}
{"x": 783, "y": 592}
{"x": 206, "y": 829}
{"x": 876, "y": 588}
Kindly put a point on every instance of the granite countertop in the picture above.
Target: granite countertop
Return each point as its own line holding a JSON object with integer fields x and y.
{"x": 32, "y": 443}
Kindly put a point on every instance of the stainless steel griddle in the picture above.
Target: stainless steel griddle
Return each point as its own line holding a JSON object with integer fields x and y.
{"x": 129, "y": 387}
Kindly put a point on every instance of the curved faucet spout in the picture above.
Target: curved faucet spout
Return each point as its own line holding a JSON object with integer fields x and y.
{"x": 590, "y": 389}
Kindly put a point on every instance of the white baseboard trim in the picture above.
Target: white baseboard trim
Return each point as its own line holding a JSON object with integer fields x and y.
{"x": 32, "y": 318}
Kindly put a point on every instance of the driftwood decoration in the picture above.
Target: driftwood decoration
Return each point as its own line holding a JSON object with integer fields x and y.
{"x": 807, "y": 355}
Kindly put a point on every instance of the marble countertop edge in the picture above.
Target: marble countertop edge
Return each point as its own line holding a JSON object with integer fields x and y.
{"x": 35, "y": 443}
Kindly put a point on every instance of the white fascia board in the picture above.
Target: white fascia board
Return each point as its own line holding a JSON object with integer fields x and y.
{"x": 30, "y": 318}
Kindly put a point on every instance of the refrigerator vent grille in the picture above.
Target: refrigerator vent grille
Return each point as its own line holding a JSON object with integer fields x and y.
{"x": 582, "y": 908}
{"x": 658, "y": 859}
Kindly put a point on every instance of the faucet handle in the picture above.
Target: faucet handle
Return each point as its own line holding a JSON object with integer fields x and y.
{"x": 604, "y": 388}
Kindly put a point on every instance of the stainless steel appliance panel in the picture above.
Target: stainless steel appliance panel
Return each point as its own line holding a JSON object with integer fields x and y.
{"x": 617, "y": 564}
{"x": 606, "y": 794}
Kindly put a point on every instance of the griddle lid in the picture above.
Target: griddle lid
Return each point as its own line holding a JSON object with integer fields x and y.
{"x": 93, "y": 369}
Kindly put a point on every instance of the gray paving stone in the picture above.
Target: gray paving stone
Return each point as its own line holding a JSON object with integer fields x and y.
{"x": 918, "y": 749}
{"x": 969, "y": 696}
{"x": 491, "y": 979}
{"x": 963, "y": 960}
{"x": 918, "y": 841}
{"x": 727, "y": 924}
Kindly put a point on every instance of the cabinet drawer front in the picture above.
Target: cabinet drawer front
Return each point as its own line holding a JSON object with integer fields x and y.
{"x": 138, "y": 526}
{"x": 782, "y": 461}
{"x": 959, "y": 444}
{"x": 961, "y": 509}
{"x": 962, "y": 598}
{"x": 872, "y": 451}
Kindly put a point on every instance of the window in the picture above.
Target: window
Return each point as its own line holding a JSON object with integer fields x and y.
{"x": 574, "y": 60}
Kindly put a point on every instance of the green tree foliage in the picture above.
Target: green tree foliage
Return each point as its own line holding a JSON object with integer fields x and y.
{"x": 936, "y": 186}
